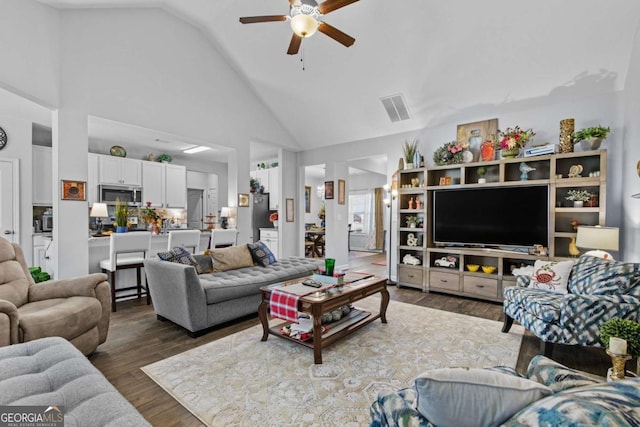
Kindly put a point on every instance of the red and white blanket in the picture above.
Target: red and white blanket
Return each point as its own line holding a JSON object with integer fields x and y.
{"x": 284, "y": 305}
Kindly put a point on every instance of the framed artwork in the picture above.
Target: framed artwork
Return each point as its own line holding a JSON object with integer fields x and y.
{"x": 243, "y": 200}
{"x": 328, "y": 190}
{"x": 289, "y": 210}
{"x": 445, "y": 180}
{"x": 307, "y": 199}
{"x": 478, "y": 131}
{"x": 73, "y": 190}
{"x": 342, "y": 189}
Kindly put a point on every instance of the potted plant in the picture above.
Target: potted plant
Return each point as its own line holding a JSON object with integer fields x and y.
{"x": 151, "y": 217}
{"x": 122, "y": 214}
{"x": 578, "y": 197}
{"x": 628, "y": 330}
{"x": 482, "y": 171}
{"x": 409, "y": 149}
{"x": 164, "y": 158}
{"x": 412, "y": 221}
{"x": 511, "y": 140}
{"x": 590, "y": 138}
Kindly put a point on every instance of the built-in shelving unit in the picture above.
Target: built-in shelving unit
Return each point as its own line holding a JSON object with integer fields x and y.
{"x": 557, "y": 171}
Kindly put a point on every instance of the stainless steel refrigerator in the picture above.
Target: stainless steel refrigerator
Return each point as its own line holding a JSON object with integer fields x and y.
{"x": 259, "y": 203}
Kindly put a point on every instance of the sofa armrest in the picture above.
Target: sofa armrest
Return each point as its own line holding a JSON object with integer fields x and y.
{"x": 8, "y": 323}
{"x": 523, "y": 281}
{"x": 582, "y": 315}
{"x": 176, "y": 293}
{"x": 64, "y": 288}
{"x": 556, "y": 376}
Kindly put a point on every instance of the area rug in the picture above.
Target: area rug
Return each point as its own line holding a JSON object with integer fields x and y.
{"x": 242, "y": 381}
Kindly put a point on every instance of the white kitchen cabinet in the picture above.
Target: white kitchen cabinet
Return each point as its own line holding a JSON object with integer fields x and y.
{"x": 93, "y": 179}
{"x": 120, "y": 171}
{"x": 42, "y": 175}
{"x": 176, "y": 186}
{"x": 269, "y": 236}
{"x": 153, "y": 184}
{"x": 164, "y": 185}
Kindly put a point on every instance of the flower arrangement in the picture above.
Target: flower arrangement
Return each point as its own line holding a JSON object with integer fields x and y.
{"x": 149, "y": 214}
{"x": 511, "y": 138}
{"x": 578, "y": 195}
{"x": 121, "y": 213}
{"x": 273, "y": 217}
{"x": 449, "y": 154}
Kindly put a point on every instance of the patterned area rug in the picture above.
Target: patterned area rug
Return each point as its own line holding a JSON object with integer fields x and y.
{"x": 242, "y": 381}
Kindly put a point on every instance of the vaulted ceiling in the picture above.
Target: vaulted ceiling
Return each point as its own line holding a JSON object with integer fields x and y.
{"x": 447, "y": 58}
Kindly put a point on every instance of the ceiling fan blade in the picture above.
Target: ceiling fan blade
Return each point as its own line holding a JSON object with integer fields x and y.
{"x": 267, "y": 18}
{"x": 294, "y": 46}
{"x": 336, "y": 34}
{"x": 331, "y": 5}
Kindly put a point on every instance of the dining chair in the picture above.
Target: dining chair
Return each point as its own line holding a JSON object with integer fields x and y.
{"x": 223, "y": 237}
{"x": 127, "y": 250}
{"x": 189, "y": 239}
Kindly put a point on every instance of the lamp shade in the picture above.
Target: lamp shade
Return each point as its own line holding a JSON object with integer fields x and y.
{"x": 225, "y": 212}
{"x": 600, "y": 238}
{"x": 99, "y": 210}
{"x": 304, "y": 25}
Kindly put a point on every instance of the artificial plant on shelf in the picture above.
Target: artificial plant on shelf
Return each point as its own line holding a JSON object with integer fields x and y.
{"x": 449, "y": 154}
{"x": 409, "y": 150}
{"x": 590, "y": 138}
{"x": 411, "y": 220}
{"x": 578, "y": 196}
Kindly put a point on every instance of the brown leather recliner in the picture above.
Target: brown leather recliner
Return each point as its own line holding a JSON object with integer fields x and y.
{"x": 76, "y": 309}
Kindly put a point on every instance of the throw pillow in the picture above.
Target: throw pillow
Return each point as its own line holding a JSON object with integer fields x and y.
{"x": 597, "y": 276}
{"x": 473, "y": 397}
{"x": 181, "y": 256}
{"x": 607, "y": 404}
{"x": 551, "y": 275}
{"x": 261, "y": 253}
{"x": 231, "y": 258}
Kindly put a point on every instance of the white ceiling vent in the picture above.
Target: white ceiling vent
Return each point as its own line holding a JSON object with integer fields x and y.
{"x": 396, "y": 107}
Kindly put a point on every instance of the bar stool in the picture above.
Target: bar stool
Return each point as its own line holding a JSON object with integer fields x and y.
{"x": 223, "y": 237}
{"x": 189, "y": 239}
{"x": 136, "y": 245}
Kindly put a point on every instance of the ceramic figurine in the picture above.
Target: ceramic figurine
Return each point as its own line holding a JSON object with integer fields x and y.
{"x": 411, "y": 203}
{"x": 573, "y": 249}
{"x": 418, "y": 203}
{"x": 525, "y": 169}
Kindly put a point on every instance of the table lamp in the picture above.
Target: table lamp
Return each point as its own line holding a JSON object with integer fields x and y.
{"x": 224, "y": 214}
{"x": 599, "y": 238}
{"x": 99, "y": 211}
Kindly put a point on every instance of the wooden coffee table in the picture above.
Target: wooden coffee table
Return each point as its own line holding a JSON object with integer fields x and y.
{"x": 320, "y": 302}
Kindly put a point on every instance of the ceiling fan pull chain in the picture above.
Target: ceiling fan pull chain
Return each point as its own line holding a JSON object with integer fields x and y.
{"x": 302, "y": 58}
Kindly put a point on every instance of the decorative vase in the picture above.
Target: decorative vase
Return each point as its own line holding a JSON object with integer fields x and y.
{"x": 566, "y": 135}
{"x": 578, "y": 203}
{"x": 475, "y": 138}
{"x": 154, "y": 229}
{"x": 412, "y": 225}
{"x": 121, "y": 229}
{"x": 482, "y": 180}
{"x": 408, "y": 165}
{"x": 510, "y": 153}
{"x": 590, "y": 144}
{"x": 487, "y": 151}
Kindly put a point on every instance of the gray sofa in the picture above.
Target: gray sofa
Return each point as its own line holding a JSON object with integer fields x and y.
{"x": 51, "y": 372}
{"x": 199, "y": 301}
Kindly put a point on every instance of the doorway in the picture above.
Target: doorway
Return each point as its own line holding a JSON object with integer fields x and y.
{"x": 194, "y": 209}
{"x": 9, "y": 209}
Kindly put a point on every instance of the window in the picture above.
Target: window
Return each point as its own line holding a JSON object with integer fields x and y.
{"x": 361, "y": 211}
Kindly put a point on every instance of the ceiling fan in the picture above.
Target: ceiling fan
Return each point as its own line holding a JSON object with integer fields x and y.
{"x": 304, "y": 16}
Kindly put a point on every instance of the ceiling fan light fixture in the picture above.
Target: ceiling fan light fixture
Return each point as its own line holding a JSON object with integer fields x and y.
{"x": 304, "y": 25}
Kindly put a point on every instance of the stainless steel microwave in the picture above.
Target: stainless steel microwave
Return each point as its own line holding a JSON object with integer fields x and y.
{"x": 131, "y": 195}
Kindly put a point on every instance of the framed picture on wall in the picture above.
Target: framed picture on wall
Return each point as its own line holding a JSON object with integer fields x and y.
{"x": 328, "y": 190}
{"x": 289, "y": 210}
{"x": 307, "y": 199}
{"x": 73, "y": 190}
{"x": 342, "y": 188}
{"x": 243, "y": 200}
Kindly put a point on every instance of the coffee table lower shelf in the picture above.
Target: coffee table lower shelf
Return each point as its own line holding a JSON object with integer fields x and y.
{"x": 333, "y": 334}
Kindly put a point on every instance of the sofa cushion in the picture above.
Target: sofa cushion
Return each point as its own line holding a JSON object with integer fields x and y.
{"x": 261, "y": 253}
{"x": 607, "y": 404}
{"x": 539, "y": 303}
{"x": 556, "y": 376}
{"x": 231, "y": 258}
{"x": 597, "y": 276}
{"x": 63, "y": 317}
{"x": 180, "y": 255}
{"x": 231, "y": 284}
{"x": 552, "y": 276}
{"x": 473, "y": 397}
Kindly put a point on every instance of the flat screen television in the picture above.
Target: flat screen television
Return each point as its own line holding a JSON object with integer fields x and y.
{"x": 509, "y": 217}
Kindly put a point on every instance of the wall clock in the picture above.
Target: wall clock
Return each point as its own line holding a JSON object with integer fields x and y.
{"x": 3, "y": 138}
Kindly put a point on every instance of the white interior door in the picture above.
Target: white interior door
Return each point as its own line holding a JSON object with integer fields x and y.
{"x": 194, "y": 208}
{"x": 9, "y": 196}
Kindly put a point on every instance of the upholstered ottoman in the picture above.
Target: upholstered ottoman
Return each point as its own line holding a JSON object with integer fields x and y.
{"x": 52, "y": 372}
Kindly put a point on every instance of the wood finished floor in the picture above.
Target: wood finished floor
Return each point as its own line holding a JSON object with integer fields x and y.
{"x": 136, "y": 338}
